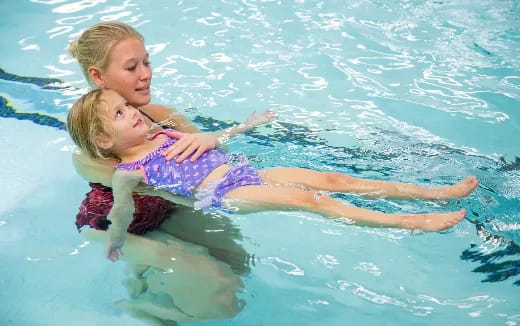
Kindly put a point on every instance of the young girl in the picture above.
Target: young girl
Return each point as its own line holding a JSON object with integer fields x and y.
{"x": 103, "y": 124}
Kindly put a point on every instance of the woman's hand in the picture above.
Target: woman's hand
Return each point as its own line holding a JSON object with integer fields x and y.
{"x": 187, "y": 144}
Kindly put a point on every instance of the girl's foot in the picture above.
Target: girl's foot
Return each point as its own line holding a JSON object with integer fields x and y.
{"x": 459, "y": 190}
{"x": 432, "y": 222}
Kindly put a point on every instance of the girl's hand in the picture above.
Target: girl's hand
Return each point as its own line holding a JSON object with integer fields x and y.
{"x": 196, "y": 144}
{"x": 113, "y": 246}
{"x": 264, "y": 117}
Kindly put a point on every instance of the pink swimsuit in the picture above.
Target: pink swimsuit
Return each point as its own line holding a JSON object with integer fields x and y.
{"x": 182, "y": 178}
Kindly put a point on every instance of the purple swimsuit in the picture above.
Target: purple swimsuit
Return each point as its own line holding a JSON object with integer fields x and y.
{"x": 182, "y": 178}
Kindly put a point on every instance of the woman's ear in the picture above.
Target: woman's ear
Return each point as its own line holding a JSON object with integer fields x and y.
{"x": 96, "y": 76}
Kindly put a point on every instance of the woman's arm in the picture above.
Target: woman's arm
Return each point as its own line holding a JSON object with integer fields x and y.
{"x": 93, "y": 170}
{"x": 192, "y": 141}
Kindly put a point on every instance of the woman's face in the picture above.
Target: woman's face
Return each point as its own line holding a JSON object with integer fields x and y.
{"x": 129, "y": 72}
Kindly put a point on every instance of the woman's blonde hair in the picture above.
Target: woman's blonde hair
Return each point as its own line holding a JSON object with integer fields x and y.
{"x": 85, "y": 125}
{"x": 95, "y": 44}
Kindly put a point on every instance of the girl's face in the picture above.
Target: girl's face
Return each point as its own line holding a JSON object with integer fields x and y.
{"x": 129, "y": 72}
{"x": 122, "y": 121}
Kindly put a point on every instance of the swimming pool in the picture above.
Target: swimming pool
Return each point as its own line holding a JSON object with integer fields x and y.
{"x": 418, "y": 91}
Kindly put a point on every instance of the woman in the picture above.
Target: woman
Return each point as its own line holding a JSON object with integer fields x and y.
{"x": 112, "y": 55}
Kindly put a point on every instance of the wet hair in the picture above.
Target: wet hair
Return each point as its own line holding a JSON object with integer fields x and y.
{"x": 94, "y": 46}
{"x": 85, "y": 125}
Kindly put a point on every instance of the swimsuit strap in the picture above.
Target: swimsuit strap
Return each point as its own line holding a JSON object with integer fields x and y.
{"x": 152, "y": 119}
{"x": 164, "y": 132}
{"x": 134, "y": 165}
{"x": 146, "y": 115}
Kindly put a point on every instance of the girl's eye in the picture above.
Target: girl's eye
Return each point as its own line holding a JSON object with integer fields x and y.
{"x": 131, "y": 68}
{"x": 119, "y": 113}
{"x": 147, "y": 63}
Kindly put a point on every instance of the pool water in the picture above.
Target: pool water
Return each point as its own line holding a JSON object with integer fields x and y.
{"x": 424, "y": 92}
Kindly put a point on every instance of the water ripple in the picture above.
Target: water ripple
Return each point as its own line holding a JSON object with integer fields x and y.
{"x": 77, "y": 6}
{"x": 373, "y": 88}
{"x": 284, "y": 266}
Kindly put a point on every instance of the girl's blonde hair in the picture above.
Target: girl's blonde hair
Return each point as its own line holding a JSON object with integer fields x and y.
{"x": 95, "y": 44}
{"x": 85, "y": 125}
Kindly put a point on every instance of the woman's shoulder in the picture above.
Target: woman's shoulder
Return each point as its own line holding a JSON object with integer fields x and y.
{"x": 168, "y": 116}
{"x": 158, "y": 112}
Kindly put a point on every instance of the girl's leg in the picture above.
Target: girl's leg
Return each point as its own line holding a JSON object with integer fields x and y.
{"x": 261, "y": 198}
{"x": 337, "y": 182}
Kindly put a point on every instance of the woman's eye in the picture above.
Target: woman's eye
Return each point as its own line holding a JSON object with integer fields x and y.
{"x": 147, "y": 63}
{"x": 131, "y": 68}
{"x": 119, "y": 113}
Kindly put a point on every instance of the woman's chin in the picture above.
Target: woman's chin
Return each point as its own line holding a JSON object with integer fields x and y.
{"x": 140, "y": 100}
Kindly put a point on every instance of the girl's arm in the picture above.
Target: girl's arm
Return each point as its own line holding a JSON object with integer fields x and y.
{"x": 122, "y": 212}
{"x": 251, "y": 122}
{"x": 221, "y": 136}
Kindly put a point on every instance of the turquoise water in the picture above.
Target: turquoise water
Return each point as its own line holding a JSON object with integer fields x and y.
{"x": 416, "y": 91}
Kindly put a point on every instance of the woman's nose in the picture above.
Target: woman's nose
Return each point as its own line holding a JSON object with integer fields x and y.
{"x": 146, "y": 72}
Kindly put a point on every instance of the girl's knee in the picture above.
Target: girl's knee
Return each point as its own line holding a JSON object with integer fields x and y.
{"x": 338, "y": 179}
{"x": 314, "y": 199}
